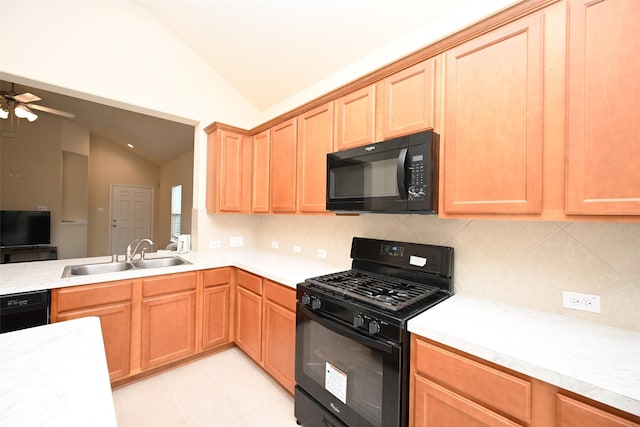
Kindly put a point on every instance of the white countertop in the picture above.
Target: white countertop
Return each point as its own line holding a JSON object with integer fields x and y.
{"x": 591, "y": 359}
{"x": 285, "y": 269}
{"x": 55, "y": 375}
{"x": 597, "y": 361}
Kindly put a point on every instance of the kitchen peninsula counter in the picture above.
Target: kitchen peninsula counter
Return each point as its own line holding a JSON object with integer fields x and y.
{"x": 55, "y": 375}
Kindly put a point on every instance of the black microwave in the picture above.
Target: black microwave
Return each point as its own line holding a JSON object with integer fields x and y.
{"x": 399, "y": 175}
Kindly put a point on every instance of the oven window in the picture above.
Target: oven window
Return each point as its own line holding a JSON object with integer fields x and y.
{"x": 351, "y": 372}
{"x": 377, "y": 178}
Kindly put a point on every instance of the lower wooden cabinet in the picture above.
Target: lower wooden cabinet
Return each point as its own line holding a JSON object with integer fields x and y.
{"x": 279, "y": 333}
{"x": 168, "y": 318}
{"x": 111, "y": 302}
{"x": 449, "y": 388}
{"x": 215, "y": 307}
{"x": 249, "y": 314}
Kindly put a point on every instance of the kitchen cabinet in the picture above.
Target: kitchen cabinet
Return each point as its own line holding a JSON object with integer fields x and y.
{"x": 493, "y": 125}
{"x": 111, "y": 302}
{"x": 315, "y": 140}
{"x": 216, "y": 305}
{"x": 168, "y": 318}
{"x": 574, "y": 413}
{"x": 228, "y": 171}
{"x": 248, "y": 322}
{"x": 603, "y": 147}
{"x": 355, "y": 118}
{"x": 453, "y": 389}
{"x": 279, "y": 333}
{"x": 260, "y": 193}
{"x": 408, "y": 100}
{"x": 283, "y": 162}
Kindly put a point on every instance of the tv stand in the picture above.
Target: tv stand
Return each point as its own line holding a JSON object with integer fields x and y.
{"x": 28, "y": 253}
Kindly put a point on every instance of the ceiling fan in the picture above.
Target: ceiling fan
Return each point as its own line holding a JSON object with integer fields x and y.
{"x": 22, "y": 104}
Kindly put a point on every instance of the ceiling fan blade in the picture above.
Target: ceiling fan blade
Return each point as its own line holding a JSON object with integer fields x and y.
{"x": 51, "y": 110}
{"x": 26, "y": 98}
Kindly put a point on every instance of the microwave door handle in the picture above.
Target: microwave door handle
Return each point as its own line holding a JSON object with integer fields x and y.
{"x": 402, "y": 172}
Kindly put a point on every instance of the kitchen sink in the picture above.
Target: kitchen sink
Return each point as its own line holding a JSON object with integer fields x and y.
{"x": 159, "y": 262}
{"x": 114, "y": 267}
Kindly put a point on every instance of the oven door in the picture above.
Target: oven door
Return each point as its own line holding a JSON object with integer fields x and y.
{"x": 356, "y": 378}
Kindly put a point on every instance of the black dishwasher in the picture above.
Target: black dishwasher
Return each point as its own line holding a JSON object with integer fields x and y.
{"x": 24, "y": 310}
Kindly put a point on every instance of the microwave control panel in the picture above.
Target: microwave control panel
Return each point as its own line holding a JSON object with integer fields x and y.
{"x": 417, "y": 183}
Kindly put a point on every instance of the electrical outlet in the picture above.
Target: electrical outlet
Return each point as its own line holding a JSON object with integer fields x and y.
{"x": 322, "y": 253}
{"x": 297, "y": 249}
{"x": 236, "y": 242}
{"x": 578, "y": 301}
{"x": 275, "y": 245}
{"x": 214, "y": 244}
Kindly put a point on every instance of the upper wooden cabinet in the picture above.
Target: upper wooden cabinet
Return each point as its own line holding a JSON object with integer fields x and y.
{"x": 260, "y": 187}
{"x": 408, "y": 100}
{"x": 603, "y": 167}
{"x": 228, "y": 171}
{"x": 282, "y": 182}
{"x": 493, "y": 125}
{"x": 315, "y": 140}
{"x": 355, "y": 119}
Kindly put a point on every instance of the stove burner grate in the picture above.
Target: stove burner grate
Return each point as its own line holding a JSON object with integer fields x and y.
{"x": 385, "y": 292}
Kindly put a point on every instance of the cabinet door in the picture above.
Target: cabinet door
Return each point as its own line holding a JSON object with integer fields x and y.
{"x": 356, "y": 119}
{"x": 115, "y": 321}
{"x": 493, "y": 122}
{"x": 216, "y": 300}
{"x": 168, "y": 318}
{"x": 603, "y": 166}
{"x": 235, "y": 168}
{"x": 249, "y": 323}
{"x": 261, "y": 147}
{"x": 279, "y": 333}
{"x": 315, "y": 140}
{"x": 409, "y": 100}
{"x": 283, "y": 167}
{"x": 437, "y": 406}
{"x": 111, "y": 302}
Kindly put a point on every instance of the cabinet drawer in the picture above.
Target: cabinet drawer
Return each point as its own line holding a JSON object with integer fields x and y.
{"x": 217, "y": 277}
{"x": 493, "y": 388}
{"x": 250, "y": 282}
{"x": 280, "y": 294}
{"x": 573, "y": 413}
{"x": 85, "y": 296}
{"x": 168, "y": 284}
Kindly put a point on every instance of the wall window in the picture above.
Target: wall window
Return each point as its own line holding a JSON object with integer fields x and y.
{"x": 176, "y": 212}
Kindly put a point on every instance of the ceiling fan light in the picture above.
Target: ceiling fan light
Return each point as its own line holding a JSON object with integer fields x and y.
{"x": 21, "y": 111}
{"x": 4, "y": 113}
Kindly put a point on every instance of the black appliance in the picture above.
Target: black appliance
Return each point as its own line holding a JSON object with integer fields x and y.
{"x": 24, "y": 310}
{"x": 352, "y": 343}
{"x": 25, "y": 228}
{"x": 395, "y": 176}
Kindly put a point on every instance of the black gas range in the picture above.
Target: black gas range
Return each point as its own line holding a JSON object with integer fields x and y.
{"x": 352, "y": 343}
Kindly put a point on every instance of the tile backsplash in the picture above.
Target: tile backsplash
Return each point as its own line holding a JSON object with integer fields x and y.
{"x": 519, "y": 262}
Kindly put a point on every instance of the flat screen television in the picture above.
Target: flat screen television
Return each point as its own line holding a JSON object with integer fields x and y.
{"x": 25, "y": 228}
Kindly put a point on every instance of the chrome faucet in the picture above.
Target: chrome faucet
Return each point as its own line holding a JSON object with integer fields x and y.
{"x": 130, "y": 254}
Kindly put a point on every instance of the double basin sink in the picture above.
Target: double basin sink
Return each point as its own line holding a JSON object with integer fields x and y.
{"x": 114, "y": 267}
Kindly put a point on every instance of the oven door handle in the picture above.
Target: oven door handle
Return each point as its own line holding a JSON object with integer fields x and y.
{"x": 340, "y": 328}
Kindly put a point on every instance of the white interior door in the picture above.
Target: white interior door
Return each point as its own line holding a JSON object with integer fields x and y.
{"x": 131, "y": 215}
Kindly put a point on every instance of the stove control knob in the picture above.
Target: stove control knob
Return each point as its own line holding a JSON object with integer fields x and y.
{"x": 374, "y": 327}
{"x": 358, "y": 321}
{"x": 306, "y": 299}
{"x": 315, "y": 303}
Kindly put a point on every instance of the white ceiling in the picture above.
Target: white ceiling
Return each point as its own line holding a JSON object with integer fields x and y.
{"x": 269, "y": 50}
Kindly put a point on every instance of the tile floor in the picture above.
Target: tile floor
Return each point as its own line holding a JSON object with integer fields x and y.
{"x": 226, "y": 389}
